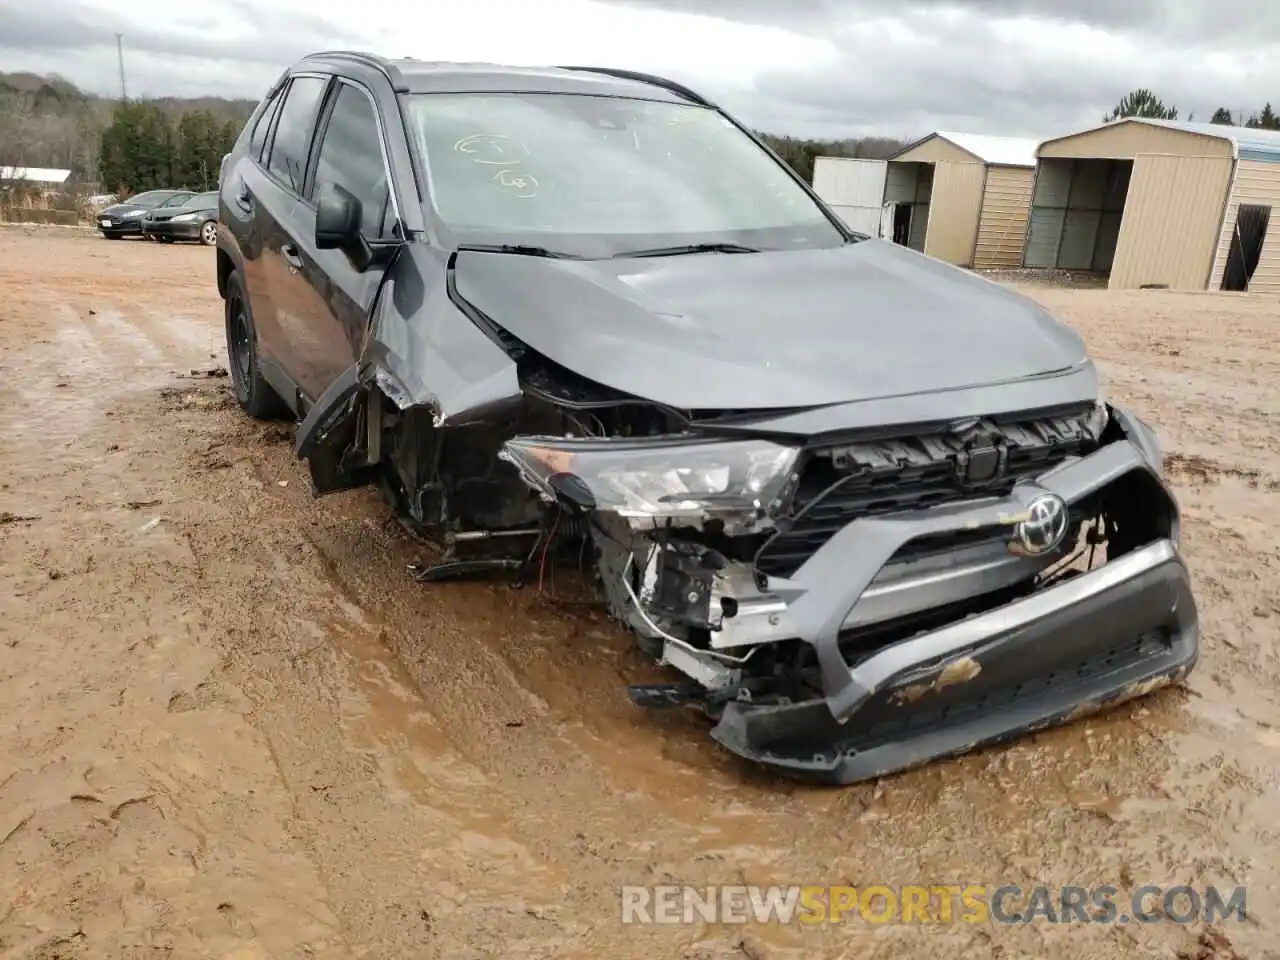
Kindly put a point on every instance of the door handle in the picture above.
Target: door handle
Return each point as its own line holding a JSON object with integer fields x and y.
{"x": 291, "y": 256}
{"x": 243, "y": 197}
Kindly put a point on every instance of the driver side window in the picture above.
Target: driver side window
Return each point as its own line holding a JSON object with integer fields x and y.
{"x": 351, "y": 157}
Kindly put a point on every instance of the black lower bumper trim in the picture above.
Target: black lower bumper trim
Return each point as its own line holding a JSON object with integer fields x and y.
{"x": 1116, "y": 645}
{"x": 177, "y": 231}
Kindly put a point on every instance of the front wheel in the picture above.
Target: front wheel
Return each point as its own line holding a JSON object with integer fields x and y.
{"x": 209, "y": 233}
{"x": 253, "y": 393}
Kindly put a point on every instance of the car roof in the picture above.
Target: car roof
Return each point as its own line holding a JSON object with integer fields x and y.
{"x": 428, "y": 76}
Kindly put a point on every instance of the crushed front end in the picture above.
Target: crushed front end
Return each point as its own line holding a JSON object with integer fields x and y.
{"x": 848, "y": 609}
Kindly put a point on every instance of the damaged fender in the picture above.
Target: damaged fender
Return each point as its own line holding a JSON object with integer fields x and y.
{"x": 418, "y": 353}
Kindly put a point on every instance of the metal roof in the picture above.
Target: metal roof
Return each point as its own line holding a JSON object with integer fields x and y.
{"x": 998, "y": 151}
{"x": 34, "y": 174}
{"x": 1247, "y": 143}
{"x": 995, "y": 151}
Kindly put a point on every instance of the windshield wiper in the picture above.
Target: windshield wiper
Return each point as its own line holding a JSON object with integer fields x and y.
{"x": 520, "y": 249}
{"x": 687, "y": 248}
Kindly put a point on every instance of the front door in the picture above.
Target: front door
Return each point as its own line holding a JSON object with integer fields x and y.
{"x": 322, "y": 299}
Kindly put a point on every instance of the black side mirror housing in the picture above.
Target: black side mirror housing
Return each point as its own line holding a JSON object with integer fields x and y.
{"x": 338, "y": 217}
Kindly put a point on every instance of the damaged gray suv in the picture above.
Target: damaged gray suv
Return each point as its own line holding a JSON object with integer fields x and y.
{"x": 869, "y": 508}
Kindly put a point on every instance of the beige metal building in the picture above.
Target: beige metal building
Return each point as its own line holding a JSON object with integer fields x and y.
{"x": 1160, "y": 203}
{"x": 961, "y": 197}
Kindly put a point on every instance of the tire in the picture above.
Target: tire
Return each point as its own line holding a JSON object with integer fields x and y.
{"x": 209, "y": 232}
{"x": 253, "y": 393}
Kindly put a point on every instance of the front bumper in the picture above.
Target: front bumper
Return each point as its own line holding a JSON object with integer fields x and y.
{"x": 1101, "y": 637}
{"x": 174, "y": 230}
{"x": 120, "y": 228}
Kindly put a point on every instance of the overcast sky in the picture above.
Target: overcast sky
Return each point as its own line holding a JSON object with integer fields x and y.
{"x": 828, "y": 68}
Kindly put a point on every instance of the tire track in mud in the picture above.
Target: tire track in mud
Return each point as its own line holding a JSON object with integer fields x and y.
{"x": 328, "y": 740}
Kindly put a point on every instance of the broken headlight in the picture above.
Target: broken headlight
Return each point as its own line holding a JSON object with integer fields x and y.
{"x": 1096, "y": 420}
{"x": 656, "y": 477}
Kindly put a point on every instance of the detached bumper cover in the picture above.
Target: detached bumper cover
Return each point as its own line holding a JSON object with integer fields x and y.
{"x": 1101, "y": 637}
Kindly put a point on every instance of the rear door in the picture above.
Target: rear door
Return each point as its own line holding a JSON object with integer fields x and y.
{"x": 271, "y": 192}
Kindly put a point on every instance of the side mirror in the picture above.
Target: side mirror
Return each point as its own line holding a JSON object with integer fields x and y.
{"x": 338, "y": 217}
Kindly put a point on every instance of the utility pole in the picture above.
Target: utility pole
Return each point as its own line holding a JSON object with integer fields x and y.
{"x": 120, "y": 56}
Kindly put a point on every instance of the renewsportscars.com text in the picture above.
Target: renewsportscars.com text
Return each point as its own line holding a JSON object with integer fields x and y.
{"x": 933, "y": 903}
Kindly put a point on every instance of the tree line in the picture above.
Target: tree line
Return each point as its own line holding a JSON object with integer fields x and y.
{"x": 129, "y": 146}
{"x": 1144, "y": 103}
{"x": 143, "y": 149}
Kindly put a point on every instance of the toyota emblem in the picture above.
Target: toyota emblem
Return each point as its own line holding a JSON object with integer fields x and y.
{"x": 1042, "y": 528}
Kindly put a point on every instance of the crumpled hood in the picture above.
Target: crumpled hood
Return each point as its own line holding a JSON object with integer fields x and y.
{"x": 769, "y": 330}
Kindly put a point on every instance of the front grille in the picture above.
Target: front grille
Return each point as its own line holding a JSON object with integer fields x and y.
{"x": 888, "y": 476}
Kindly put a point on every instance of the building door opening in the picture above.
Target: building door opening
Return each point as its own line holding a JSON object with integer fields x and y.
{"x": 902, "y": 223}
{"x": 1246, "y": 246}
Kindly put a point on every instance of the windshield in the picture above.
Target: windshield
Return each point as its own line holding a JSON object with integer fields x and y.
{"x": 201, "y": 200}
{"x": 597, "y": 176}
{"x": 176, "y": 200}
{"x": 150, "y": 198}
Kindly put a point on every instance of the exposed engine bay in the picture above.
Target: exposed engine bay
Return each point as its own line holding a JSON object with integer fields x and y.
{"x": 689, "y": 536}
{"x": 846, "y": 587}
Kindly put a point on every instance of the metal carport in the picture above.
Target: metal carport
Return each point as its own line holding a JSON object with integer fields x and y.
{"x": 1161, "y": 203}
{"x": 961, "y": 197}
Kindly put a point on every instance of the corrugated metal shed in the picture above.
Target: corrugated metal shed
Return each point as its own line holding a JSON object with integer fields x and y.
{"x": 854, "y": 188}
{"x": 978, "y": 203}
{"x": 1256, "y": 183}
{"x": 954, "y": 211}
{"x": 1002, "y": 224}
{"x": 1262, "y": 146}
{"x": 34, "y": 174}
{"x": 1190, "y": 199}
{"x": 1171, "y": 244}
{"x": 1247, "y": 143}
{"x": 994, "y": 151}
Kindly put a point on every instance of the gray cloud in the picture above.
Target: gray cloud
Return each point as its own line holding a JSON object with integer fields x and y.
{"x": 962, "y": 73}
{"x": 1254, "y": 21}
{"x": 63, "y": 26}
{"x": 961, "y": 70}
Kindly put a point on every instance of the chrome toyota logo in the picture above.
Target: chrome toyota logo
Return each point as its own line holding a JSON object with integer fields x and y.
{"x": 1043, "y": 526}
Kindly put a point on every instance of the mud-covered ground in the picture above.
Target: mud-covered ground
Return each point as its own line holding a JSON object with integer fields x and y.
{"x": 231, "y": 724}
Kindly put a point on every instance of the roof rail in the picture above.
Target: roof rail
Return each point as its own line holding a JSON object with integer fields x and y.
{"x": 381, "y": 64}
{"x": 677, "y": 88}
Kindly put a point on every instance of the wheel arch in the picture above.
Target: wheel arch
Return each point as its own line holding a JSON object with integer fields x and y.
{"x": 229, "y": 259}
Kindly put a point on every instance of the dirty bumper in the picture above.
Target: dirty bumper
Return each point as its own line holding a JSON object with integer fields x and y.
{"x": 1106, "y": 636}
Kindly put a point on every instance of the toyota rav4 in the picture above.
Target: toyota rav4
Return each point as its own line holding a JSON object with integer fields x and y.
{"x": 868, "y": 507}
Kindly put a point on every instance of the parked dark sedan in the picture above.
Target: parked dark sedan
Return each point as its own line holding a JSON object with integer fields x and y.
{"x": 195, "y": 218}
{"x": 125, "y": 219}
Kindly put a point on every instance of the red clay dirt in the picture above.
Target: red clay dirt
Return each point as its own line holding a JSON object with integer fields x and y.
{"x": 232, "y": 725}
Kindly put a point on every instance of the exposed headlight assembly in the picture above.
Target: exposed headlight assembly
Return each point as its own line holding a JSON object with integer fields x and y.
{"x": 1097, "y": 419}
{"x": 1142, "y": 437}
{"x": 656, "y": 478}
